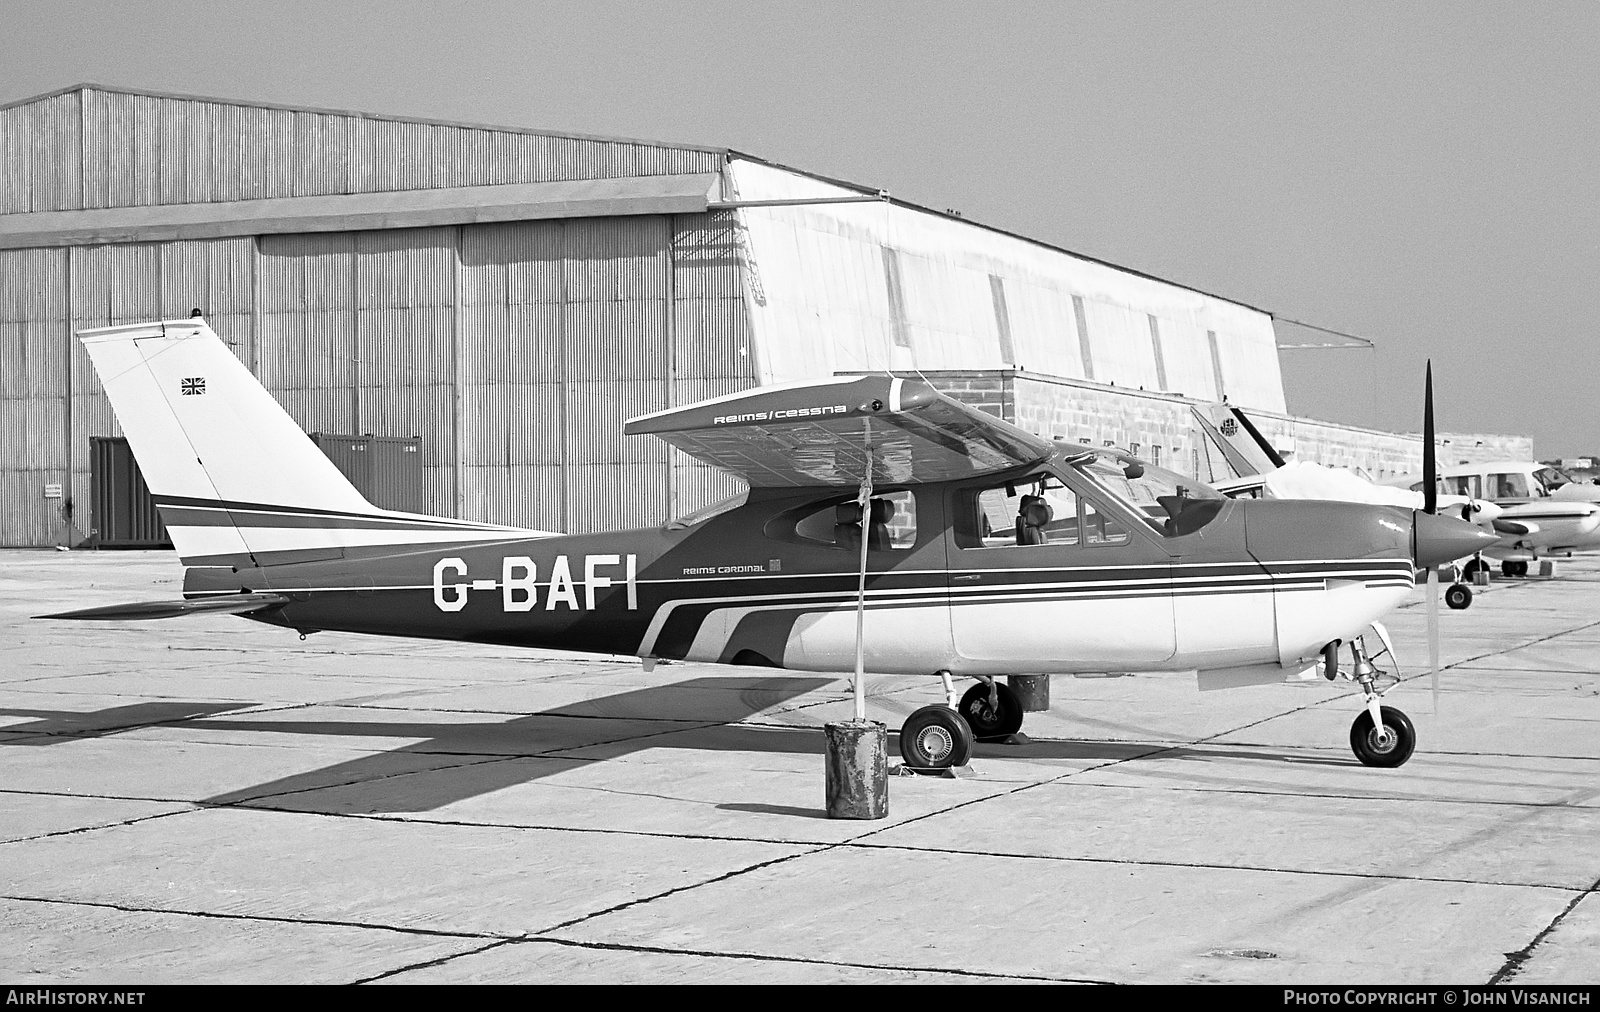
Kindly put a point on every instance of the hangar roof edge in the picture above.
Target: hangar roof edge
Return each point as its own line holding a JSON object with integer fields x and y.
{"x": 357, "y": 114}
{"x": 909, "y": 205}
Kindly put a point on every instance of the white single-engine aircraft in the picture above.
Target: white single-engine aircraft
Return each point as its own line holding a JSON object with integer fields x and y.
{"x": 1552, "y": 515}
{"x": 971, "y": 547}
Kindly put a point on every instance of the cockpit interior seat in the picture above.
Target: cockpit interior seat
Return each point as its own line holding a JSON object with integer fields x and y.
{"x": 1032, "y": 516}
{"x": 847, "y": 525}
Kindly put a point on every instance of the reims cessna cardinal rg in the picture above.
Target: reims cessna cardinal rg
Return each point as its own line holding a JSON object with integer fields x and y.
{"x": 989, "y": 550}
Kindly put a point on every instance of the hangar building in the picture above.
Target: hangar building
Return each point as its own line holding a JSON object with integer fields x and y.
{"x": 509, "y": 297}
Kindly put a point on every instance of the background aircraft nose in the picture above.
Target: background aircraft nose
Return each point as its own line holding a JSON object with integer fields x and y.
{"x": 1436, "y": 539}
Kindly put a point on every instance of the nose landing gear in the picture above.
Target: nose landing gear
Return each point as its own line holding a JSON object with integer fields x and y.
{"x": 1381, "y": 736}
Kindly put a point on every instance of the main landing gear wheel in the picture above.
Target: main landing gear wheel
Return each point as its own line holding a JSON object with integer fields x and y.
{"x": 1388, "y": 746}
{"x": 991, "y": 721}
{"x": 1458, "y": 596}
{"x": 935, "y": 737}
{"x": 1472, "y": 567}
{"x": 1514, "y": 567}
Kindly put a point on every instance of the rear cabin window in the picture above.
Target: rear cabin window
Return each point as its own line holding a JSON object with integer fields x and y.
{"x": 893, "y": 525}
{"x": 1511, "y": 486}
{"x": 1469, "y": 485}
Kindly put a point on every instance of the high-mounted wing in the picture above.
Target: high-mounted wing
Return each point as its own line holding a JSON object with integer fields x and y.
{"x": 819, "y": 434}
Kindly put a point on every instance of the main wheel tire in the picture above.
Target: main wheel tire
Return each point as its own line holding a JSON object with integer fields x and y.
{"x": 1458, "y": 596}
{"x": 935, "y": 737}
{"x": 1387, "y": 748}
{"x": 1472, "y": 567}
{"x": 1514, "y": 567}
{"x": 987, "y": 723}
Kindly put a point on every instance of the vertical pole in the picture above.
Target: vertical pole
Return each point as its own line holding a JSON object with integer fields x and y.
{"x": 865, "y": 499}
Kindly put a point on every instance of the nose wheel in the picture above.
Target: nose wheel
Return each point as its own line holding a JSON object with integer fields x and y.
{"x": 1388, "y": 744}
{"x": 1458, "y": 596}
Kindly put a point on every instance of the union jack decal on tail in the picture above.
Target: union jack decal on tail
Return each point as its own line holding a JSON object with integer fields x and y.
{"x": 194, "y": 385}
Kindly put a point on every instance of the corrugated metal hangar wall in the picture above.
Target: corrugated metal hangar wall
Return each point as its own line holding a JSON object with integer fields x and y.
{"x": 512, "y": 296}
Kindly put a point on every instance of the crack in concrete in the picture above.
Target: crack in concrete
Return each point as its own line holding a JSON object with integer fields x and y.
{"x": 1516, "y": 960}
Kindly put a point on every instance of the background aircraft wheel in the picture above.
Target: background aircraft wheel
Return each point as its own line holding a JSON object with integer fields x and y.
{"x": 985, "y": 722}
{"x": 1472, "y": 567}
{"x": 1514, "y": 567}
{"x": 935, "y": 737}
{"x": 1458, "y": 596}
{"x": 1391, "y": 746}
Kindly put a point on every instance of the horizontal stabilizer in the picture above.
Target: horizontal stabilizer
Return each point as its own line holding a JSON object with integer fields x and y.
{"x": 228, "y": 604}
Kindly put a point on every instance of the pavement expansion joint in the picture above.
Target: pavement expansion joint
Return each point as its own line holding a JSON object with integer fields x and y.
{"x": 725, "y": 876}
{"x": 251, "y": 802}
{"x": 1366, "y": 876}
{"x": 439, "y": 961}
{"x": 768, "y": 957}
{"x": 217, "y": 915}
{"x": 96, "y": 828}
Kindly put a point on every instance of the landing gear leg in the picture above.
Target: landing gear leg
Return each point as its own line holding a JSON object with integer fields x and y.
{"x": 950, "y": 690}
{"x": 1382, "y": 735}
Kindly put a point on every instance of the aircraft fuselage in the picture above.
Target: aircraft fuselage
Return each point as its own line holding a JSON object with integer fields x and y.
{"x": 768, "y": 583}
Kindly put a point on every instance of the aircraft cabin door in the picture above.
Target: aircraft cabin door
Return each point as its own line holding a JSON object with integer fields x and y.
{"x": 1044, "y": 577}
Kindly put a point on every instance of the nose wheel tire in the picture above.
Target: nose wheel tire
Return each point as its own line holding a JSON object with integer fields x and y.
{"x": 1458, "y": 596}
{"x": 989, "y": 722}
{"x": 1388, "y": 746}
{"x": 935, "y": 737}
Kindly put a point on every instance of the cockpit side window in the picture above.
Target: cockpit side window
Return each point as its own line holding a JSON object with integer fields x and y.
{"x": 1511, "y": 485}
{"x": 1039, "y": 510}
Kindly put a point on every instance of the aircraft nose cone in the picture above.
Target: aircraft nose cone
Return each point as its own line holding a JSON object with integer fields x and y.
{"x": 1436, "y": 539}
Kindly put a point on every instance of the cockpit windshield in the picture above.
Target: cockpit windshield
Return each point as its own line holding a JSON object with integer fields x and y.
{"x": 1170, "y": 503}
{"x": 1552, "y": 478}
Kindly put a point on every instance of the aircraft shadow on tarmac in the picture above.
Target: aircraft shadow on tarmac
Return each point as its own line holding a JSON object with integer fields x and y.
{"x": 456, "y": 761}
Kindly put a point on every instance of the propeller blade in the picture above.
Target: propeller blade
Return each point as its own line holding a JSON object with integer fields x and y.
{"x": 1430, "y": 465}
{"x": 1433, "y": 635}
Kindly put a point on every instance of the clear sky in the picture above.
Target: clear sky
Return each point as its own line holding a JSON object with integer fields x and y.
{"x": 1424, "y": 174}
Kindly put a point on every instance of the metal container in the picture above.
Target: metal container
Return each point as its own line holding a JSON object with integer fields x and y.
{"x": 123, "y": 514}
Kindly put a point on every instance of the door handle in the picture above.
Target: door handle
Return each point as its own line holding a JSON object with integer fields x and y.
{"x": 966, "y": 576}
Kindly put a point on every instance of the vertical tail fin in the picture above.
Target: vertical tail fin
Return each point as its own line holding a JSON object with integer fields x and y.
{"x": 236, "y": 480}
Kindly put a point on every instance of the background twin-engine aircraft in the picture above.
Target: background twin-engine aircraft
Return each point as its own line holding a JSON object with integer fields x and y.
{"x": 975, "y": 548}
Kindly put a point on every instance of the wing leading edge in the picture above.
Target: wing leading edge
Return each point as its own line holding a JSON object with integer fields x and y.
{"x": 819, "y": 434}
